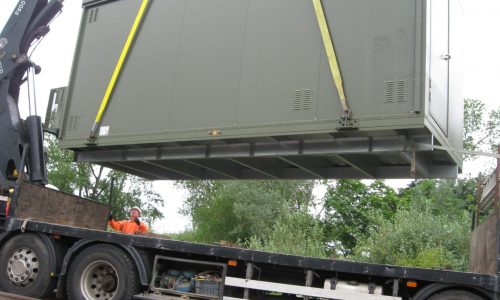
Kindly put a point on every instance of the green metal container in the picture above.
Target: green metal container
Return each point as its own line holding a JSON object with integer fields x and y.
{"x": 243, "y": 89}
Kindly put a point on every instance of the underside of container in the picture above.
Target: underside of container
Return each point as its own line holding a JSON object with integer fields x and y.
{"x": 340, "y": 155}
{"x": 243, "y": 89}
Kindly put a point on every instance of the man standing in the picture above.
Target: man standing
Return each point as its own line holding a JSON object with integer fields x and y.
{"x": 131, "y": 226}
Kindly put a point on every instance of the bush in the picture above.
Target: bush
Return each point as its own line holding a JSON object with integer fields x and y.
{"x": 298, "y": 234}
{"x": 420, "y": 239}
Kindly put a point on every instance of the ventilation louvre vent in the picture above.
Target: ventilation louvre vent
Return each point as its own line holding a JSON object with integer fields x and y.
{"x": 73, "y": 122}
{"x": 395, "y": 91}
{"x": 92, "y": 17}
{"x": 302, "y": 99}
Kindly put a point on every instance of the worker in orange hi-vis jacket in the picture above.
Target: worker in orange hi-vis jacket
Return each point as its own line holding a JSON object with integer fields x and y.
{"x": 131, "y": 226}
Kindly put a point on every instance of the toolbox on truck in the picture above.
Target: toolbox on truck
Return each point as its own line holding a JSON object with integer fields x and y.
{"x": 240, "y": 89}
{"x": 210, "y": 287}
{"x": 187, "y": 278}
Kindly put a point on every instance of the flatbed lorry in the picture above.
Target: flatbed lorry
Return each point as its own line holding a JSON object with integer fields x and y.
{"x": 51, "y": 244}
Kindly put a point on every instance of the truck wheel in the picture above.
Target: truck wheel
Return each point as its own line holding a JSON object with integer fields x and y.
{"x": 102, "y": 272}
{"x": 455, "y": 295}
{"x": 25, "y": 266}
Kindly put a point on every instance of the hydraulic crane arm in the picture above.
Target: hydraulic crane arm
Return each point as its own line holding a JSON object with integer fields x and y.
{"x": 21, "y": 141}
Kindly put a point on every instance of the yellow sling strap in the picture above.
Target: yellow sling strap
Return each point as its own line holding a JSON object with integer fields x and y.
{"x": 119, "y": 65}
{"x": 330, "y": 53}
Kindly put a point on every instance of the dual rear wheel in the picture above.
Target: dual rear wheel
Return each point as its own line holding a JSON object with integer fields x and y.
{"x": 102, "y": 272}
{"x": 99, "y": 272}
{"x": 455, "y": 295}
{"x": 447, "y": 292}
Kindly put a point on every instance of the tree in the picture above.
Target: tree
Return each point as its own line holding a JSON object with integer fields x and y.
{"x": 417, "y": 238}
{"x": 348, "y": 207}
{"x": 479, "y": 131}
{"x": 433, "y": 231}
{"x": 447, "y": 197}
{"x": 94, "y": 182}
{"x": 236, "y": 211}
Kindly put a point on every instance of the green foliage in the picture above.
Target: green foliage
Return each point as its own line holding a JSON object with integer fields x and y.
{"x": 62, "y": 172}
{"x": 433, "y": 231}
{"x": 449, "y": 197}
{"x": 425, "y": 225}
{"x": 348, "y": 206}
{"x": 235, "y": 211}
{"x": 436, "y": 257}
{"x": 479, "y": 131}
{"x": 188, "y": 235}
{"x": 94, "y": 182}
{"x": 216, "y": 221}
{"x": 297, "y": 233}
{"x": 473, "y": 118}
{"x": 413, "y": 236}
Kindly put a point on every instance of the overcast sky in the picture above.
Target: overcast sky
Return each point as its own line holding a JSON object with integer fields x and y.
{"x": 481, "y": 72}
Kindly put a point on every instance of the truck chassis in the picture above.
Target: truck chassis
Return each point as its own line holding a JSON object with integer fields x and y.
{"x": 246, "y": 274}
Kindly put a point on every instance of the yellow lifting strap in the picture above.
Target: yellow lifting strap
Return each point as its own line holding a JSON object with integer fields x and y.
{"x": 330, "y": 53}
{"x": 119, "y": 65}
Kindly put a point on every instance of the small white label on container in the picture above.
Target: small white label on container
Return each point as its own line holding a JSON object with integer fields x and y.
{"x": 104, "y": 130}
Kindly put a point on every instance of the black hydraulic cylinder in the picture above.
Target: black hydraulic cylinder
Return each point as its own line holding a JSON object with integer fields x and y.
{"x": 36, "y": 163}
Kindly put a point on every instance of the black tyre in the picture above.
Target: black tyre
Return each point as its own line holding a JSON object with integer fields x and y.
{"x": 25, "y": 266}
{"x": 102, "y": 272}
{"x": 455, "y": 295}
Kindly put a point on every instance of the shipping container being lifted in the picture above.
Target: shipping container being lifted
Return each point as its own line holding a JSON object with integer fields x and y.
{"x": 243, "y": 89}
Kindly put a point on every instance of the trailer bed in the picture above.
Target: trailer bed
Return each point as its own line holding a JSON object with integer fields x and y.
{"x": 276, "y": 260}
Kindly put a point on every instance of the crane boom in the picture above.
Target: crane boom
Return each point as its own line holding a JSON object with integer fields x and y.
{"x": 21, "y": 140}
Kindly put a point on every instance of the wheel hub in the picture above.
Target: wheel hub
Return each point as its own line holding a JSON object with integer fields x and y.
{"x": 19, "y": 267}
{"x": 22, "y": 268}
{"x": 108, "y": 283}
{"x": 99, "y": 281}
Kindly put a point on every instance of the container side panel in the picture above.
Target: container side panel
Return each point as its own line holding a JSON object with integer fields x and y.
{"x": 280, "y": 63}
{"x": 209, "y": 64}
{"x": 143, "y": 95}
{"x": 375, "y": 45}
{"x": 439, "y": 63}
{"x": 256, "y": 73}
{"x": 445, "y": 111}
{"x": 105, "y": 31}
{"x": 456, "y": 107}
